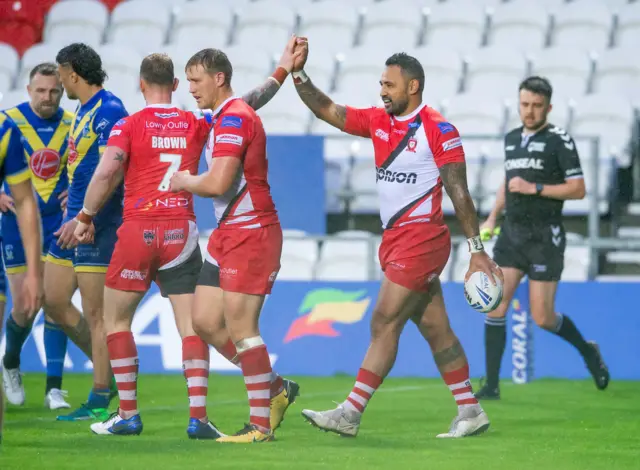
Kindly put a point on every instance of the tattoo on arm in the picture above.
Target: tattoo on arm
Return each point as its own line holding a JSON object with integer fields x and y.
{"x": 454, "y": 178}
{"x": 449, "y": 355}
{"x": 321, "y": 105}
{"x": 261, "y": 94}
{"x": 119, "y": 156}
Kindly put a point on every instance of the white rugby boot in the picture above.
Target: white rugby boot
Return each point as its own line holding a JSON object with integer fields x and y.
{"x": 13, "y": 387}
{"x": 471, "y": 421}
{"x": 339, "y": 420}
{"x": 55, "y": 399}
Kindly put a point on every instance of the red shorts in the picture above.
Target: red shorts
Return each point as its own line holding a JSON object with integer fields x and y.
{"x": 149, "y": 250}
{"x": 248, "y": 259}
{"x": 415, "y": 254}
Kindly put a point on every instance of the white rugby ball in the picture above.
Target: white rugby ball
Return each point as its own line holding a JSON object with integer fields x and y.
{"x": 481, "y": 294}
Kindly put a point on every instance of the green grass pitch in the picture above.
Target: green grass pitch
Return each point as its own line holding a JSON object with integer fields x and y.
{"x": 546, "y": 425}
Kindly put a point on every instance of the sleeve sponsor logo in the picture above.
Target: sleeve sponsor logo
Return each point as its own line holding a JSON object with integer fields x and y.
{"x": 231, "y": 121}
{"x": 446, "y": 127}
{"x": 452, "y": 144}
{"x": 229, "y": 139}
{"x": 121, "y": 122}
{"x": 102, "y": 124}
{"x": 574, "y": 171}
{"x": 115, "y": 132}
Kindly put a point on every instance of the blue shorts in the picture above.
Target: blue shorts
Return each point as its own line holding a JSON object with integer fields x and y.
{"x": 12, "y": 247}
{"x": 92, "y": 258}
{"x": 3, "y": 286}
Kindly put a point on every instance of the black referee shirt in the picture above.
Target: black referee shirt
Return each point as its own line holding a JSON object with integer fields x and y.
{"x": 548, "y": 157}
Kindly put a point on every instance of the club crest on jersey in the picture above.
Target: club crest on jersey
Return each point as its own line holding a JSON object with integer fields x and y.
{"x": 148, "y": 236}
{"x": 45, "y": 163}
{"x": 412, "y": 145}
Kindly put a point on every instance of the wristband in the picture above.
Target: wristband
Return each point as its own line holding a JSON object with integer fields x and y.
{"x": 475, "y": 244}
{"x": 300, "y": 77}
{"x": 539, "y": 188}
{"x": 85, "y": 216}
{"x": 280, "y": 75}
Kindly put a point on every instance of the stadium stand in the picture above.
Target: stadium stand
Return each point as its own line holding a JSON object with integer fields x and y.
{"x": 474, "y": 53}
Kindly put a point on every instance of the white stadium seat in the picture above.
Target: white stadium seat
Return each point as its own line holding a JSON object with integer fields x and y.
{"x": 267, "y": 23}
{"x": 576, "y": 263}
{"x": 388, "y": 25}
{"x": 567, "y": 68}
{"x": 347, "y": 244}
{"x": 33, "y": 56}
{"x": 455, "y": 28}
{"x": 295, "y": 269}
{"x": 628, "y": 30}
{"x": 326, "y": 30}
{"x": 9, "y": 99}
{"x": 495, "y": 71}
{"x": 616, "y": 73}
{"x": 131, "y": 24}
{"x": 585, "y": 23}
{"x": 198, "y": 22}
{"x": 490, "y": 149}
{"x": 519, "y": 24}
{"x": 8, "y": 66}
{"x": 77, "y": 21}
{"x": 361, "y": 70}
{"x": 285, "y": 113}
{"x": 473, "y": 114}
{"x": 122, "y": 65}
{"x": 442, "y": 70}
{"x": 344, "y": 269}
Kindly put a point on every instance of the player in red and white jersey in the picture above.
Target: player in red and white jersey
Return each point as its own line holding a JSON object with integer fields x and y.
{"x": 158, "y": 239}
{"x": 243, "y": 256}
{"x": 416, "y": 153}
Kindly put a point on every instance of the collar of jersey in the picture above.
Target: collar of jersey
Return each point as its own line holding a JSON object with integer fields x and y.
{"x": 161, "y": 105}
{"x": 31, "y": 115}
{"x": 93, "y": 100}
{"x": 223, "y": 104}
{"x": 412, "y": 115}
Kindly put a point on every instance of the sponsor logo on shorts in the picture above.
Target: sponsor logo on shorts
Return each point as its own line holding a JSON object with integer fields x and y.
{"x": 8, "y": 252}
{"x": 229, "y": 139}
{"x": 148, "y": 236}
{"x": 133, "y": 275}
{"x": 540, "y": 268}
{"x": 228, "y": 272}
{"x": 174, "y": 237}
{"x": 272, "y": 276}
{"x": 45, "y": 163}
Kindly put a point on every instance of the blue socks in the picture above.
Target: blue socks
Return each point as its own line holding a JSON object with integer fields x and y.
{"x": 55, "y": 346}
{"x": 98, "y": 398}
{"x": 16, "y": 336}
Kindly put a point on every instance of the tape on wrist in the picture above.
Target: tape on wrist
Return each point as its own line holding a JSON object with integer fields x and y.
{"x": 300, "y": 77}
{"x": 85, "y": 216}
{"x": 280, "y": 75}
{"x": 475, "y": 244}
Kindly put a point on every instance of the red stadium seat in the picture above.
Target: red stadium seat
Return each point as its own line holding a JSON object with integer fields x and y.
{"x": 21, "y": 23}
{"x": 111, "y": 4}
{"x": 20, "y": 35}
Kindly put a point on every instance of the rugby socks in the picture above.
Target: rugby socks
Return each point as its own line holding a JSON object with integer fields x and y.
{"x": 366, "y": 384}
{"x": 567, "y": 330}
{"x": 16, "y": 337}
{"x": 256, "y": 369}
{"x": 195, "y": 362}
{"x": 124, "y": 363}
{"x": 495, "y": 340}
{"x": 230, "y": 353}
{"x": 460, "y": 386}
{"x": 98, "y": 397}
{"x": 55, "y": 347}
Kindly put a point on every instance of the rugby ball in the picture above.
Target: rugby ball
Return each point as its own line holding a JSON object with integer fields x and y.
{"x": 481, "y": 294}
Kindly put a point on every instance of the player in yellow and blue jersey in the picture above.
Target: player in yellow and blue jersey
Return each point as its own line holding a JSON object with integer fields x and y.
{"x": 44, "y": 128}
{"x": 15, "y": 171}
{"x": 82, "y": 76}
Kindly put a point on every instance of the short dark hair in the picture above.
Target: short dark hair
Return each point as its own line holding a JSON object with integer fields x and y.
{"x": 213, "y": 61}
{"x": 537, "y": 85}
{"x": 410, "y": 67}
{"x": 157, "y": 69}
{"x": 48, "y": 69}
{"x": 84, "y": 61}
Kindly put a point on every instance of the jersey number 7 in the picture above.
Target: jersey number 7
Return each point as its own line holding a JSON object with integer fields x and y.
{"x": 174, "y": 165}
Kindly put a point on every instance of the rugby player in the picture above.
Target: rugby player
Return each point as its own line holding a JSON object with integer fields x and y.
{"x": 243, "y": 254}
{"x": 44, "y": 127}
{"x": 409, "y": 138}
{"x": 82, "y": 77}
{"x": 14, "y": 169}
{"x": 159, "y": 227}
{"x": 542, "y": 171}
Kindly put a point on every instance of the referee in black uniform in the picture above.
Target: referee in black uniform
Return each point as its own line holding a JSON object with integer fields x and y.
{"x": 542, "y": 170}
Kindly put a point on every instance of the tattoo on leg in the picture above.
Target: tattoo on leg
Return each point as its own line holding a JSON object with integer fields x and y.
{"x": 449, "y": 355}
{"x": 80, "y": 334}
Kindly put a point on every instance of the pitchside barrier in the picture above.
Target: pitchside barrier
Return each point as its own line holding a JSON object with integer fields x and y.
{"x": 322, "y": 329}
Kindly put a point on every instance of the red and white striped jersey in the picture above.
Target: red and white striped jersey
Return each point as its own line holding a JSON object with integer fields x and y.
{"x": 409, "y": 150}
{"x": 238, "y": 132}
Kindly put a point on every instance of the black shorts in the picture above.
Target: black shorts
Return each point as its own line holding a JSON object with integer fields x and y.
{"x": 538, "y": 251}
{"x": 181, "y": 279}
{"x": 209, "y": 275}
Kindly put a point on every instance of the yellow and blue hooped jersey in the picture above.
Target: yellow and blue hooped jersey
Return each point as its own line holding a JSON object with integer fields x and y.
{"x": 88, "y": 136}
{"x": 45, "y": 144}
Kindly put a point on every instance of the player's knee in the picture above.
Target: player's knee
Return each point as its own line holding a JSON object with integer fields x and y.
{"x": 384, "y": 323}
{"x": 543, "y": 317}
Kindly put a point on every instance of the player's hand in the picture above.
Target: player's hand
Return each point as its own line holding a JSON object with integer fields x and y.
{"x": 63, "y": 198}
{"x": 66, "y": 240}
{"x": 481, "y": 261}
{"x": 288, "y": 55}
{"x": 522, "y": 186}
{"x": 300, "y": 53}
{"x": 32, "y": 293}
{"x": 85, "y": 233}
{"x": 179, "y": 181}
{"x": 6, "y": 203}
